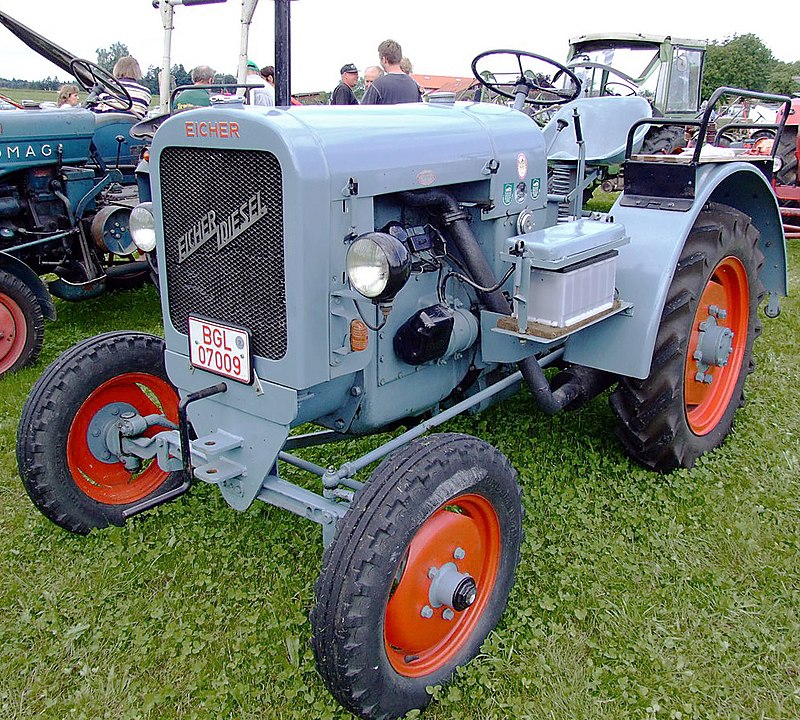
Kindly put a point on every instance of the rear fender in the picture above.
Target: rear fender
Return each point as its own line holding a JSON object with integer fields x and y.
{"x": 624, "y": 344}
{"x": 22, "y": 272}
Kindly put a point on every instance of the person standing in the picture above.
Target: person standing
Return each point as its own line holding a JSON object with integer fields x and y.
{"x": 129, "y": 74}
{"x": 268, "y": 73}
{"x": 343, "y": 93}
{"x": 258, "y": 95}
{"x": 395, "y": 86}
{"x": 371, "y": 74}
{"x": 196, "y": 97}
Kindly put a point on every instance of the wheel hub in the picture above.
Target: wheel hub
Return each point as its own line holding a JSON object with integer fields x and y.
{"x": 105, "y": 421}
{"x": 452, "y": 588}
{"x": 714, "y": 345}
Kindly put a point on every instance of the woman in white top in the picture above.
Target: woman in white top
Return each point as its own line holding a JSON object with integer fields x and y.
{"x": 68, "y": 97}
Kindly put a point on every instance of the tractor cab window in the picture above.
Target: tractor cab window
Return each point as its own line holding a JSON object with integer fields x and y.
{"x": 617, "y": 70}
{"x": 684, "y": 80}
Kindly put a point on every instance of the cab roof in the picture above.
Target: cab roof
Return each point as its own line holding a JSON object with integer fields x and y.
{"x": 598, "y": 39}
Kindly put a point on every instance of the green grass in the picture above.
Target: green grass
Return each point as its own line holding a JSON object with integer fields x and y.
{"x": 638, "y": 595}
{"x": 20, "y": 94}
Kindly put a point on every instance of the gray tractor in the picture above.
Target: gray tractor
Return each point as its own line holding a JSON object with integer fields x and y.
{"x": 373, "y": 269}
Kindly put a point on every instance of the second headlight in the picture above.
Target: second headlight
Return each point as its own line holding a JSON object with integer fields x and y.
{"x": 143, "y": 227}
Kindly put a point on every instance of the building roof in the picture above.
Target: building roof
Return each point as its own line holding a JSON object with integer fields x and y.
{"x": 444, "y": 83}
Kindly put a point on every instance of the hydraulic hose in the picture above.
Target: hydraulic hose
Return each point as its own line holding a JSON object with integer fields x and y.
{"x": 579, "y": 387}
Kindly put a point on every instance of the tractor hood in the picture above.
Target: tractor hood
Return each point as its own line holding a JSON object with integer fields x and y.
{"x": 32, "y": 138}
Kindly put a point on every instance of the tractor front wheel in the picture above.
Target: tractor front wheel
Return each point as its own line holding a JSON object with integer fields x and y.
{"x": 417, "y": 575}
{"x": 21, "y": 324}
{"x": 65, "y": 464}
{"x": 703, "y": 350}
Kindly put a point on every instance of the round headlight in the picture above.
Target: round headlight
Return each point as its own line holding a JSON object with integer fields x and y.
{"x": 378, "y": 265}
{"x": 143, "y": 227}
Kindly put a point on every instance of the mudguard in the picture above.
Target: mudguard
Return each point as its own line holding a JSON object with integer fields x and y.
{"x": 624, "y": 343}
{"x": 21, "y": 271}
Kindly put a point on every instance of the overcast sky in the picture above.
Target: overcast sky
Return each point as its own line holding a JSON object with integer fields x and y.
{"x": 439, "y": 36}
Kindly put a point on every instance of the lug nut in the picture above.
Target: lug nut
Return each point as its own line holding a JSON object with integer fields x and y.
{"x": 448, "y": 614}
{"x": 427, "y": 612}
{"x": 433, "y": 572}
{"x": 459, "y": 553}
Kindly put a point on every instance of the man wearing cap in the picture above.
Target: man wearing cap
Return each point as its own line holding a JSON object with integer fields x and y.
{"x": 264, "y": 94}
{"x": 343, "y": 93}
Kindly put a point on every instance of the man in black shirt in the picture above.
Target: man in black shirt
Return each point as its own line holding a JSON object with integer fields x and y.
{"x": 394, "y": 87}
{"x": 343, "y": 94}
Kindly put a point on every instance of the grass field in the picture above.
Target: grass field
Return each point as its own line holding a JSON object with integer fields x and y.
{"x": 20, "y": 94}
{"x": 638, "y": 595}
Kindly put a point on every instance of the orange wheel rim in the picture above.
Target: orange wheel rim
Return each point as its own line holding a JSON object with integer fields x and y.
{"x": 418, "y": 645}
{"x": 727, "y": 290}
{"x": 110, "y": 482}
{"x": 13, "y": 332}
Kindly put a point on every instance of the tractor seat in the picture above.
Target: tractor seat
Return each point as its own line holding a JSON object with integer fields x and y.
{"x": 605, "y": 122}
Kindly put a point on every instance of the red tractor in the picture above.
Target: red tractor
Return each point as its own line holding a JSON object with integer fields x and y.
{"x": 787, "y": 187}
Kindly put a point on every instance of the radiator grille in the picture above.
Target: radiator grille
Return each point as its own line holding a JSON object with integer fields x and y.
{"x": 223, "y": 230}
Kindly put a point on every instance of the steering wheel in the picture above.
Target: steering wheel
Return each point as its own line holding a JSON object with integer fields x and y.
{"x": 626, "y": 90}
{"x": 95, "y": 79}
{"x": 625, "y": 81}
{"x": 540, "y": 88}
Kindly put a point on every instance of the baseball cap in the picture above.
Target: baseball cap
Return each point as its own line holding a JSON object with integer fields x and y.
{"x": 252, "y": 64}
{"x": 348, "y": 68}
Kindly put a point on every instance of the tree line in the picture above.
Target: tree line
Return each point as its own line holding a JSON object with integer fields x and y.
{"x": 744, "y": 61}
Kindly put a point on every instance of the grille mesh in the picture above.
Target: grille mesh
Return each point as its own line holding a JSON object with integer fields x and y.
{"x": 208, "y": 197}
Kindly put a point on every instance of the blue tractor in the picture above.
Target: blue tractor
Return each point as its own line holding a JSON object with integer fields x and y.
{"x": 67, "y": 187}
{"x": 371, "y": 269}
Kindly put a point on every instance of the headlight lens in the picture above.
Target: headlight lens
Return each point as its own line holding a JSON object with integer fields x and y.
{"x": 143, "y": 227}
{"x": 378, "y": 265}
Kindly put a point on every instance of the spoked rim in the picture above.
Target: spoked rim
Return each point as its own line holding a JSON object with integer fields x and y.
{"x": 420, "y": 639}
{"x": 706, "y": 400}
{"x": 110, "y": 482}
{"x": 13, "y": 332}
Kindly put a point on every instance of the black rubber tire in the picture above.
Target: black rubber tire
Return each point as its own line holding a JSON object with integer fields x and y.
{"x": 652, "y": 422}
{"x": 787, "y": 152}
{"x": 361, "y": 565}
{"x": 47, "y": 419}
{"x": 19, "y": 299}
{"x": 663, "y": 140}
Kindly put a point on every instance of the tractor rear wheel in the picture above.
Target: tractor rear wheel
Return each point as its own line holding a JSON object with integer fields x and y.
{"x": 787, "y": 152}
{"x": 417, "y": 575}
{"x": 65, "y": 465}
{"x": 703, "y": 350}
{"x": 21, "y": 324}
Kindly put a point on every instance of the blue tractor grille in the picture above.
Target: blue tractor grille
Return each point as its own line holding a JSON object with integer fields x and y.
{"x": 223, "y": 232}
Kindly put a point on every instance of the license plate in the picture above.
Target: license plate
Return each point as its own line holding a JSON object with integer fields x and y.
{"x": 220, "y": 349}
